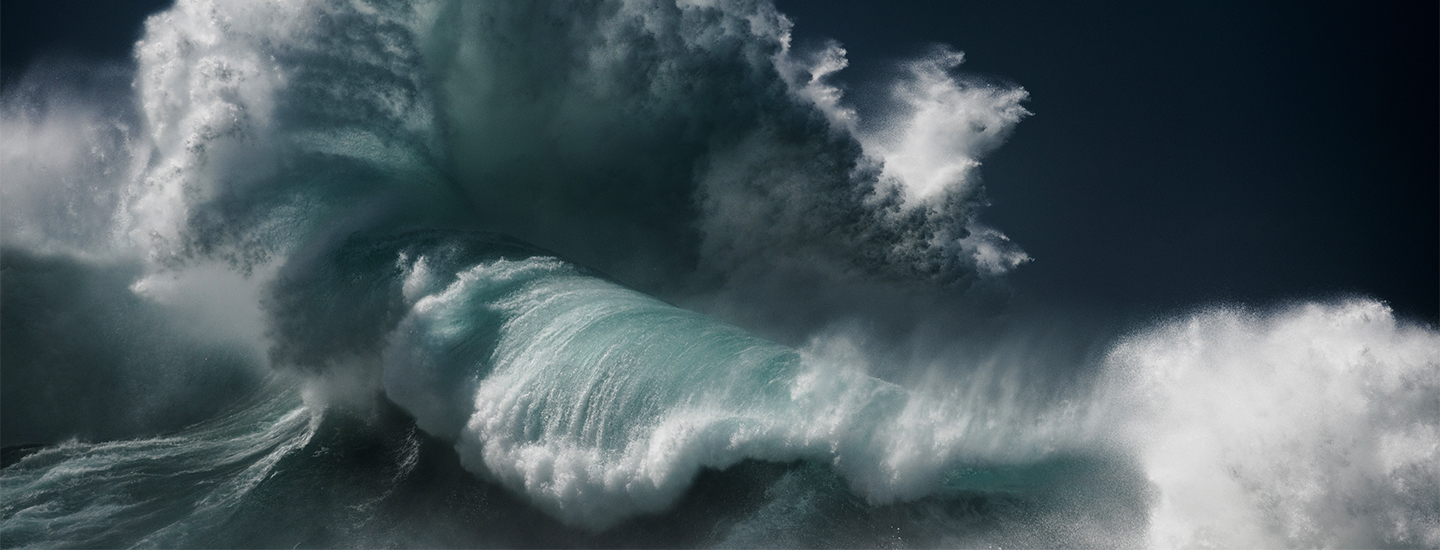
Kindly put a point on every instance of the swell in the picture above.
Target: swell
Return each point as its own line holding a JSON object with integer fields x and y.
{"x": 599, "y": 402}
{"x": 323, "y": 191}
{"x": 154, "y": 491}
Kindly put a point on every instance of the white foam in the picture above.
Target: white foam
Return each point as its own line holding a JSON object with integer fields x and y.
{"x": 1311, "y": 426}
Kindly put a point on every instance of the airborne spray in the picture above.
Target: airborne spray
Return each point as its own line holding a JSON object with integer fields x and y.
{"x": 619, "y": 273}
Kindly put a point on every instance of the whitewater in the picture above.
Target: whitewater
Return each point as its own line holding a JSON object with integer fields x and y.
{"x": 630, "y": 273}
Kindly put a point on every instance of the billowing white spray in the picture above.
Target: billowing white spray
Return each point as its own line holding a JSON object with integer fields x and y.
{"x": 1313, "y": 426}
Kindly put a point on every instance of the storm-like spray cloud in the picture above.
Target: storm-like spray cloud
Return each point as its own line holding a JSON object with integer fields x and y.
{"x": 636, "y": 136}
{"x": 687, "y": 139}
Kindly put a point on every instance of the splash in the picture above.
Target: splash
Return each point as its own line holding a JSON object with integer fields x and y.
{"x": 1311, "y": 426}
{"x": 486, "y": 214}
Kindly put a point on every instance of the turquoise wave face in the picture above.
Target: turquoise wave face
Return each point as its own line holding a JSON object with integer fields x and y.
{"x": 599, "y": 403}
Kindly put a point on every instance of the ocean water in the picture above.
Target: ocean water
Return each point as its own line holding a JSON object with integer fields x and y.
{"x": 618, "y": 274}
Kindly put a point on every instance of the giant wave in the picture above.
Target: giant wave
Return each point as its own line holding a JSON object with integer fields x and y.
{"x": 617, "y": 273}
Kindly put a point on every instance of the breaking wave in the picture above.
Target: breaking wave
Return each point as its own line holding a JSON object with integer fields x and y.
{"x": 615, "y": 274}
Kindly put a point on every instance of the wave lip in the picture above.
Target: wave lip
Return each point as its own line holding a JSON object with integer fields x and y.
{"x": 596, "y": 401}
{"x": 600, "y": 403}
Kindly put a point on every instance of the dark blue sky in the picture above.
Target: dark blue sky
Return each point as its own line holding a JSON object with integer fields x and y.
{"x": 1184, "y": 153}
{"x": 1179, "y": 154}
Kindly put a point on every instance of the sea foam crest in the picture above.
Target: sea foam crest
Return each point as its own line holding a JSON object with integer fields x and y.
{"x": 599, "y": 403}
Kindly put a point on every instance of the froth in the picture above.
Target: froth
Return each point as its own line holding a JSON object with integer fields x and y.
{"x": 1311, "y": 426}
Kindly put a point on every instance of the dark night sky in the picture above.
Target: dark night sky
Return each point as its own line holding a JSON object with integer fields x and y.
{"x": 1184, "y": 153}
{"x": 1180, "y": 153}
{"x": 88, "y": 29}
